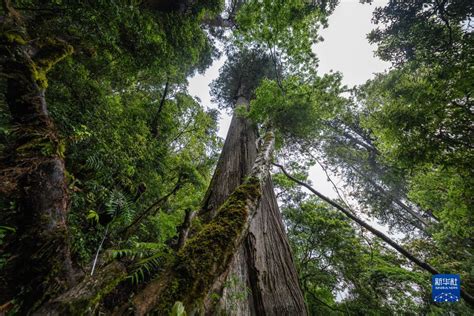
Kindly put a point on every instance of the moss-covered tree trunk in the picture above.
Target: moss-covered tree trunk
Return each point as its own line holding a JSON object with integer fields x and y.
{"x": 33, "y": 171}
{"x": 261, "y": 278}
{"x": 207, "y": 255}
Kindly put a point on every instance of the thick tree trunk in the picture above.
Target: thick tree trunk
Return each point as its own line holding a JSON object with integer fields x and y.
{"x": 39, "y": 264}
{"x": 404, "y": 252}
{"x": 207, "y": 255}
{"x": 242, "y": 243}
{"x": 262, "y": 278}
{"x": 84, "y": 298}
{"x": 235, "y": 163}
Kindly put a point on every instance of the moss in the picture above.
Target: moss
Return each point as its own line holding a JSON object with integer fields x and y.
{"x": 86, "y": 296}
{"x": 39, "y": 77}
{"x": 107, "y": 289}
{"x": 207, "y": 254}
{"x": 50, "y": 52}
{"x": 61, "y": 149}
{"x": 14, "y": 37}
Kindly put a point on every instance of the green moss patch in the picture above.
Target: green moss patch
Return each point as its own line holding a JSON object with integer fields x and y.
{"x": 50, "y": 52}
{"x": 207, "y": 254}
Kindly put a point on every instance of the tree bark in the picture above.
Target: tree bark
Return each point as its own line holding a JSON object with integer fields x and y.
{"x": 39, "y": 264}
{"x": 261, "y": 279}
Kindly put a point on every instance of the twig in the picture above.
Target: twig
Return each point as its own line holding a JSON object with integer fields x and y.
{"x": 150, "y": 209}
{"x": 332, "y": 182}
{"x": 99, "y": 248}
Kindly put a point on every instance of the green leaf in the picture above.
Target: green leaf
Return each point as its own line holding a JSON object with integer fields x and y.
{"x": 178, "y": 309}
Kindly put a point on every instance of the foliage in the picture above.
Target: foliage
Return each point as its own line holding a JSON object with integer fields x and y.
{"x": 127, "y": 143}
{"x": 346, "y": 149}
{"x": 178, "y": 309}
{"x": 286, "y": 28}
{"x": 402, "y": 143}
{"x": 148, "y": 258}
{"x": 431, "y": 31}
{"x": 342, "y": 270}
{"x": 295, "y": 108}
{"x": 241, "y": 75}
{"x": 420, "y": 115}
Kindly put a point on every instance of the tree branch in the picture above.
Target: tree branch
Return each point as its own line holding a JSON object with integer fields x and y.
{"x": 154, "y": 127}
{"x": 425, "y": 266}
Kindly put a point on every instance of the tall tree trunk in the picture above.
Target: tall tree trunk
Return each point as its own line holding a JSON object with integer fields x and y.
{"x": 39, "y": 264}
{"x": 262, "y": 278}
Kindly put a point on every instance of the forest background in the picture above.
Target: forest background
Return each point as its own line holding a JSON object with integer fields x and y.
{"x": 109, "y": 165}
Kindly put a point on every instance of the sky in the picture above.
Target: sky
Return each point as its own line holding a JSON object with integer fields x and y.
{"x": 345, "y": 49}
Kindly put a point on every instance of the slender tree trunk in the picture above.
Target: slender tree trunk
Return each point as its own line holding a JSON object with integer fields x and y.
{"x": 468, "y": 298}
{"x": 261, "y": 279}
{"x": 33, "y": 171}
